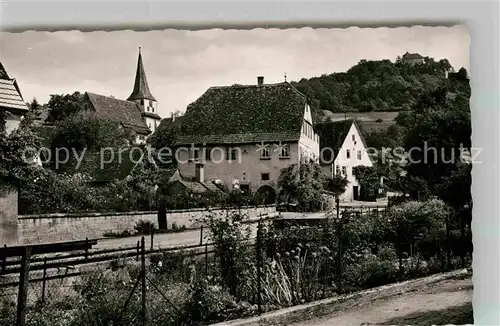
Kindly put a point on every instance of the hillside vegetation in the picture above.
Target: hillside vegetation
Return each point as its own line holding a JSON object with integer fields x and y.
{"x": 380, "y": 86}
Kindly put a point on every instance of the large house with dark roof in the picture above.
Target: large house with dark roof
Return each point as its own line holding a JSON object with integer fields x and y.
{"x": 245, "y": 135}
{"x": 342, "y": 148}
{"x": 138, "y": 114}
{"x": 12, "y": 104}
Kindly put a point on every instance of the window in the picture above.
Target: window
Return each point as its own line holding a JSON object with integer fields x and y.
{"x": 359, "y": 155}
{"x": 265, "y": 153}
{"x": 231, "y": 154}
{"x": 142, "y": 102}
{"x": 152, "y": 106}
{"x": 149, "y": 125}
{"x": 234, "y": 154}
{"x": 265, "y": 176}
{"x": 353, "y": 138}
{"x": 348, "y": 153}
{"x": 337, "y": 170}
{"x": 344, "y": 170}
{"x": 285, "y": 152}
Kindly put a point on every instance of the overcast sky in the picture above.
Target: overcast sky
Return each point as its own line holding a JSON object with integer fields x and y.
{"x": 180, "y": 65}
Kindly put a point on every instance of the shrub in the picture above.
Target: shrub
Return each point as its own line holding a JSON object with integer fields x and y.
{"x": 144, "y": 227}
{"x": 209, "y": 304}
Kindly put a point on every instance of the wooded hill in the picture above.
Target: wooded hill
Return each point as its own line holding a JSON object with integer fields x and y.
{"x": 380, "y": 86}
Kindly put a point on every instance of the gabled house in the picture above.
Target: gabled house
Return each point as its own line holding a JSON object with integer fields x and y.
{"x": 12, "y": 105}
{"x": 342, "y": 148}
{"x": 138, "y": 114}
{"x": 248, "y": 134}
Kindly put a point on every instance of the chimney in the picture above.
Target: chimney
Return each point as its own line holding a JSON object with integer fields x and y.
{"x": 173, "y": 116}
{"x": 260, "y": 80}
{"x": 199, "y": 172}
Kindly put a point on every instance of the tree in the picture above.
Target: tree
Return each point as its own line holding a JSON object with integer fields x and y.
{"x": 166, "y": 134}
{"x": 87, "y": 131}
{"x": 303, "y": 185}
{"x": 436, "y": 138}
{"x": 63, "y": 106}
{"x": 336, "y": 184}
{"x": 369, "y": 180}
{"x": 18, "y": 153}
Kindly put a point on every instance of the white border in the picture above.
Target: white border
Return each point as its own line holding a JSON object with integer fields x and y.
{"x": 480, "y": 17}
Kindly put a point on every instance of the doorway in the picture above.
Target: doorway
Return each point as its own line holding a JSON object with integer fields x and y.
{"x": 355, "y": 191}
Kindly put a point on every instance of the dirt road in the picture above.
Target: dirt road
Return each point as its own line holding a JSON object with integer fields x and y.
{"x": 445, "y": 302}
{"x": 161, "y": 240}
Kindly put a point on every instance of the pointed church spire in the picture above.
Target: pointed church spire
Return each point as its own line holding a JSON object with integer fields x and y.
{"x": 141, "y": 88}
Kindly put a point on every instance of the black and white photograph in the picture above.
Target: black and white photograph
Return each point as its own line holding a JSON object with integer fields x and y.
{"x": 266, "y": 176}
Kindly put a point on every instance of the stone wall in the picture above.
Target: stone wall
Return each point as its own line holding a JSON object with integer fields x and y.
{"x": 66, "y": 227}
{"x": 8, "y": 215}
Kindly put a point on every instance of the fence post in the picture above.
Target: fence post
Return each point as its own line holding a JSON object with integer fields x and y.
{"x": 340, "y": 231}
{"x": 86, "y": 249}
{"x": 23, "y": 287}
{"x": 138, "y": 250}
{"x": 152, "y": 231}
{"x": 44, "y": 280}
{"x": 337, "y": 203}
{"x": 143, "y": 281}
{"x": 201, "y": 235}
{"x": 259, "y": 271}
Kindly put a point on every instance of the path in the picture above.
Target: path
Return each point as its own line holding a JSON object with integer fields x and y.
{"x": 445, "y": 302}
{"x": 160, "y": 240}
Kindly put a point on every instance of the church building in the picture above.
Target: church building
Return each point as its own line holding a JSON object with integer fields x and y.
{"x": 138, "y": 114}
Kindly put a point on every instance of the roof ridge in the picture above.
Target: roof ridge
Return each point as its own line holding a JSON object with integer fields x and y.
{"x": 245, "y": 86}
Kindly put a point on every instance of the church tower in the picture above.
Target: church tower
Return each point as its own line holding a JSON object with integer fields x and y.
{"x": 142, "y": 96}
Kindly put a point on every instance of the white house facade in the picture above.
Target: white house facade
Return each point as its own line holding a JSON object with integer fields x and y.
{"x": 342, "y": 148}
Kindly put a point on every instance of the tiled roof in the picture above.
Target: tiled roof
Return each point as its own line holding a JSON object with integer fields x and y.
{"x": 332, "y": 135}
{"x": 10, "y": 96}
{"x": 238, "y": 138}
{"x": 410, "y": 56}
{"x": 109, "y": 166}
{"x": 169, "y": 122}
{"x": 239, "y": 113}
{"x": 125, "y": 112}
{"x": 141, "y": 88}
